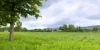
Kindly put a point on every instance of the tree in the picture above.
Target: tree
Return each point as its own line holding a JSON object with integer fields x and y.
{"x": 55, "y": 30}
{"x": 18, "y": 27}
{"x": 95, "y": 29}
{"x": 63, "y": 28}
{"x": 71, "y": 28}
{"x": 12, "y": 10}
{"x": 24, "y": 29}
{"x": 60, "y": 28}
{"x": 79, "y": 29}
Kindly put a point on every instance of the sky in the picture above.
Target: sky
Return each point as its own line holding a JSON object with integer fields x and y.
{"x": 58, "y": 12}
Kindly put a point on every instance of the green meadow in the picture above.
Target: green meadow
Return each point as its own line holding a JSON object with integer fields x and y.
{"x": 51, "y": 41}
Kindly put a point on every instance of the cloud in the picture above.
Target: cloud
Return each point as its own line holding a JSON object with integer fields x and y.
{"x": 59, "y": 12}
{"x": 94, "y": 17}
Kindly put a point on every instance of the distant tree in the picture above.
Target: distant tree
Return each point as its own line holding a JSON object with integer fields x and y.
{"x": 2, "y": 28}
{"x": 95, "y": 29}
{"x": 5, "y": 29}
{"x": 44, "y": 30}
{"x": 87, "y": 30}
{"x": 24, "y": 29}
{"x": 71, "y": 28}
{"x": 47, "y": 30}
{"x": 39, "y": 30}
{"x": 79, "y": 29}
{"x": 63, "y": 28}
{"x": 18, "y": 26}
{"x": 54, "y": 30}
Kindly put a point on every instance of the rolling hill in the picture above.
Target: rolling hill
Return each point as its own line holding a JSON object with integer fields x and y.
{"x": 91, "y": 27}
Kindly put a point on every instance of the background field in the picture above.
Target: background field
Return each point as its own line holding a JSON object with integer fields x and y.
{"x": 51, "y": 41}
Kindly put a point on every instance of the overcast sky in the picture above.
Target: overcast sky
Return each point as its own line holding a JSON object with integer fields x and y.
{"x": 58, "y": 12}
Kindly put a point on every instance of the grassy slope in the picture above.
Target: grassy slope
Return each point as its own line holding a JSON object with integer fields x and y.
{"x": 51, "y": 41}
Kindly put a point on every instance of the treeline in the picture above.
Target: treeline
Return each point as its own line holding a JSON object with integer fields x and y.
{"x": 72, "y": 28}
{"x": 63, "y": 28}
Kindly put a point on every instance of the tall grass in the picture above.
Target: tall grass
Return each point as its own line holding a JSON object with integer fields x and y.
{"x": 50, "y": 41}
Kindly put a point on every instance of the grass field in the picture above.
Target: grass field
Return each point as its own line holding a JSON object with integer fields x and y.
{"x": 51, "y": 41}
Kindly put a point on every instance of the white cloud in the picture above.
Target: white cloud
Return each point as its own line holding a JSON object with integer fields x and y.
{"x": 58, "y": 12}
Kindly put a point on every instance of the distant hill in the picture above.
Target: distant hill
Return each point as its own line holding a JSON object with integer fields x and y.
{"x": 91, "y": 27}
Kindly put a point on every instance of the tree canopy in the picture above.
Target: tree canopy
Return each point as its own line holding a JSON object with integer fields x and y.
{"x": 12, "y": 10}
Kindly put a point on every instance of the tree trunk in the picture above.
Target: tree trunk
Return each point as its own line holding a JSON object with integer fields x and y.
{"x": 11, "y": 32}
